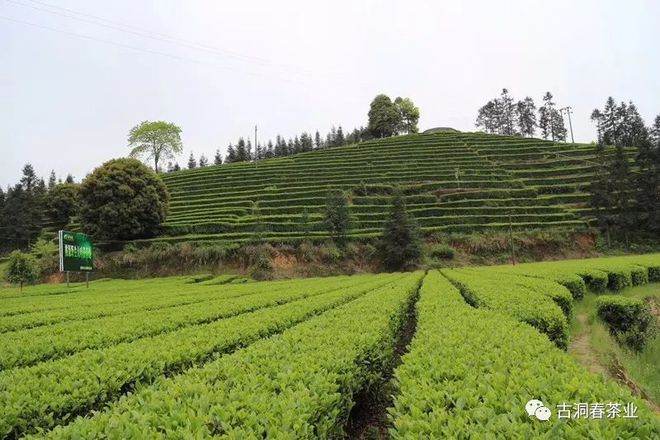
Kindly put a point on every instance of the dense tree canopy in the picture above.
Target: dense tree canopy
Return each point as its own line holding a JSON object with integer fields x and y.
{"x": 122, "y": 199}
{"x": 401, "y": 248}
{"x": 384, "y": 117}
{"x": 156, "y": 140}
{"x": 62, "y": 203}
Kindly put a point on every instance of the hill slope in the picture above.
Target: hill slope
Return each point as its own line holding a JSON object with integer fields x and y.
{"x": 452, "y": 181}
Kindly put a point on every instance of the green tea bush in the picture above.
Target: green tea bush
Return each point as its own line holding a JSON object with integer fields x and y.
{"x": 628, "y": 319}
{"x": 442, "y": 252}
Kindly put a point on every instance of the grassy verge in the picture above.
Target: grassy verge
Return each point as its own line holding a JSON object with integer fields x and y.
{"x": 603, "y": 353}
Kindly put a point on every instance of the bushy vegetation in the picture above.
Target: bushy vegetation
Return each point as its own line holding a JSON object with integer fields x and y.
{"x": 629, "y": 319}
{"x": 21, "y": 268}
{"x": 451, "y": 182}
{"x": 122, "y": 199}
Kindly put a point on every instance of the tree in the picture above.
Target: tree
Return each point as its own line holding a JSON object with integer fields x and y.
{"x": 269, "y": 150}
{"x": 400, "y": 245}
{"x": 508, "y": 113}
{"x": 337, "y": 217}
{"x": 241, "y": 151}
{"x": 600, "y": 190}
{"x": 45, "y": 252}
{"x": 620, "y": 177}
{"x": 339, "y": 138}
{"x": 29, "y": 180}
{"x": 231, "y": 154}
{"x": 526, "y": 110}
{"x": 384, "y": 117}
{"x": 547, "y": 117}
{"x": 192, "y": 163}
{"x": 217, "y": 159}
{"x": 21, "y": 268}
{"x": 156, "y": 140}
{"x": 69, "y": 179}
{"x": 121, "y": 200}
{"x": 489, "y": 117}
{"x": 557, "y": 126}
{"x": 62, "y": 204}
{"x": 176, "y": 167}
{"x": 52, "y": 180}
{"x": 203, "y": 161}
{"x": 408, "y": 115}
{"x": 317, "y": 140}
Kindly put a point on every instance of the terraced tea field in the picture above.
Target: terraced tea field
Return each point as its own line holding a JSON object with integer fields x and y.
{"x": 184, "y": 357}
{"x": 452, "y": 181}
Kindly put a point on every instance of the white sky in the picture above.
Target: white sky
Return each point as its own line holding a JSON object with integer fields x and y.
{"x": 67, "y": 102}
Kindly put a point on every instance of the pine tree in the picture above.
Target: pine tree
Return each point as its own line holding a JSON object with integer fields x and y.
{"x": 317, "y": 140}
{"x": 297, "y": 146}
{"x": 339, "y": 138}
{"x": 248, "y": 151}
{"x": 69, "y": 179}
{"x": 203, "y": 161}
{"x": 170, "y": 166}
{"x": 52, "y": 180}
{"x": 176, "y": 167}
{"x": 337, "y": 217}
{"x": 231, "y": 154}
{"x": 241, "y": 151}
{"x": 217, "y": 159}
{"x": 192, "y": 163}
{"x": 269, "y": 150}
{"x": 29, "y": 180}
{"x": 331, "y": 137}
{"x": 401, "y": 246}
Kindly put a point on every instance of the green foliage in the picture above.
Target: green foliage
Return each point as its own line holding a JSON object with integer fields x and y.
{"x": 409, "y": 115}
{"x": 320, "y": 364}
{"x": 21, "y": 268}
{"x": 629, "y": 319}
{"x": 46, "y": 253}
{"x": 44, "y": 396}
{"x": 540, "y": 303}
{"x": 384, "y": 117}
{"x": 400, "y": 247}
{"x": 469, "y": 373}
{"x": 122, "y": 199}
{"x": 157, "y": 140}
{"x": 62, "y": 204}
{"x": 337, "y": 217}
{"x": 442, "y": 252}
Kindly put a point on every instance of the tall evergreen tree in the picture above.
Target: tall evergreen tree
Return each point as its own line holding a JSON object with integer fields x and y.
{"x": 339, "y": 137}
{"x": 203, "y": 161}
{"x": 401, "y": 246}
{"x": 192, "y": 163}
{"x": 176, "y": 167}
{"x": 69, "y": 179}
{"x": 52, "y": 180}
{"x": 620, "y": 177}
{"x": 600, "y": 190}
{"x": 241, "y": 151}
{"x": 231, "y": 154}
{"x": 317, "y": 140}
{"x": 217, "y": 158}
{"x": 269, "y": 150}
{"x": 337, "y": 217}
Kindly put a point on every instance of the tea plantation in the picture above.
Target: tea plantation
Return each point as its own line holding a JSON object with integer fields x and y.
{"x": 452, "y": 182}
{"x": 187, "y": 357}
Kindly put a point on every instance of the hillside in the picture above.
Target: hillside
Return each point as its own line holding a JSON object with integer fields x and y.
{"x": 458, "y": 182}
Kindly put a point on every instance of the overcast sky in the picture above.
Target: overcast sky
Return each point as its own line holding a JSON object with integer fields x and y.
{"x": 76, "y": 75}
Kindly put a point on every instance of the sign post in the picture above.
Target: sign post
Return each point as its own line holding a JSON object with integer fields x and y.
{"x": 76, "y": 254}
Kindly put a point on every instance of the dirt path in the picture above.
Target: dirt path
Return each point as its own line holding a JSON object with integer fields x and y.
{"x": 581, "y": 347}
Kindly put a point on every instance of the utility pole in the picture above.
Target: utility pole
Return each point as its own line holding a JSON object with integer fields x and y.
{"x": 568, "y": 111}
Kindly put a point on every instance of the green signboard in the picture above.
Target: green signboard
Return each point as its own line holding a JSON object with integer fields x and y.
{"x": 75, "y": 252}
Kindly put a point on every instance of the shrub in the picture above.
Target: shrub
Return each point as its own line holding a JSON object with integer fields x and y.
{"x": 263, "y": 269}
{"x": 21, "y": 268}
{"x": 45, "y": 251}
{"x": 442, "y": 252}
{"x": 122, "y": 199}
{"x": 400, "y": 246}
{"x": 337, "y": 218}
{"x": 629, "y": 319}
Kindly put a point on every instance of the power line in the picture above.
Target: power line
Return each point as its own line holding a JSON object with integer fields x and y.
{"x": 157, "y": 36}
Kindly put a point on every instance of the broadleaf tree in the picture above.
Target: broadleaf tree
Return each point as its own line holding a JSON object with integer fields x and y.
{"x": 155, "y": 140}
